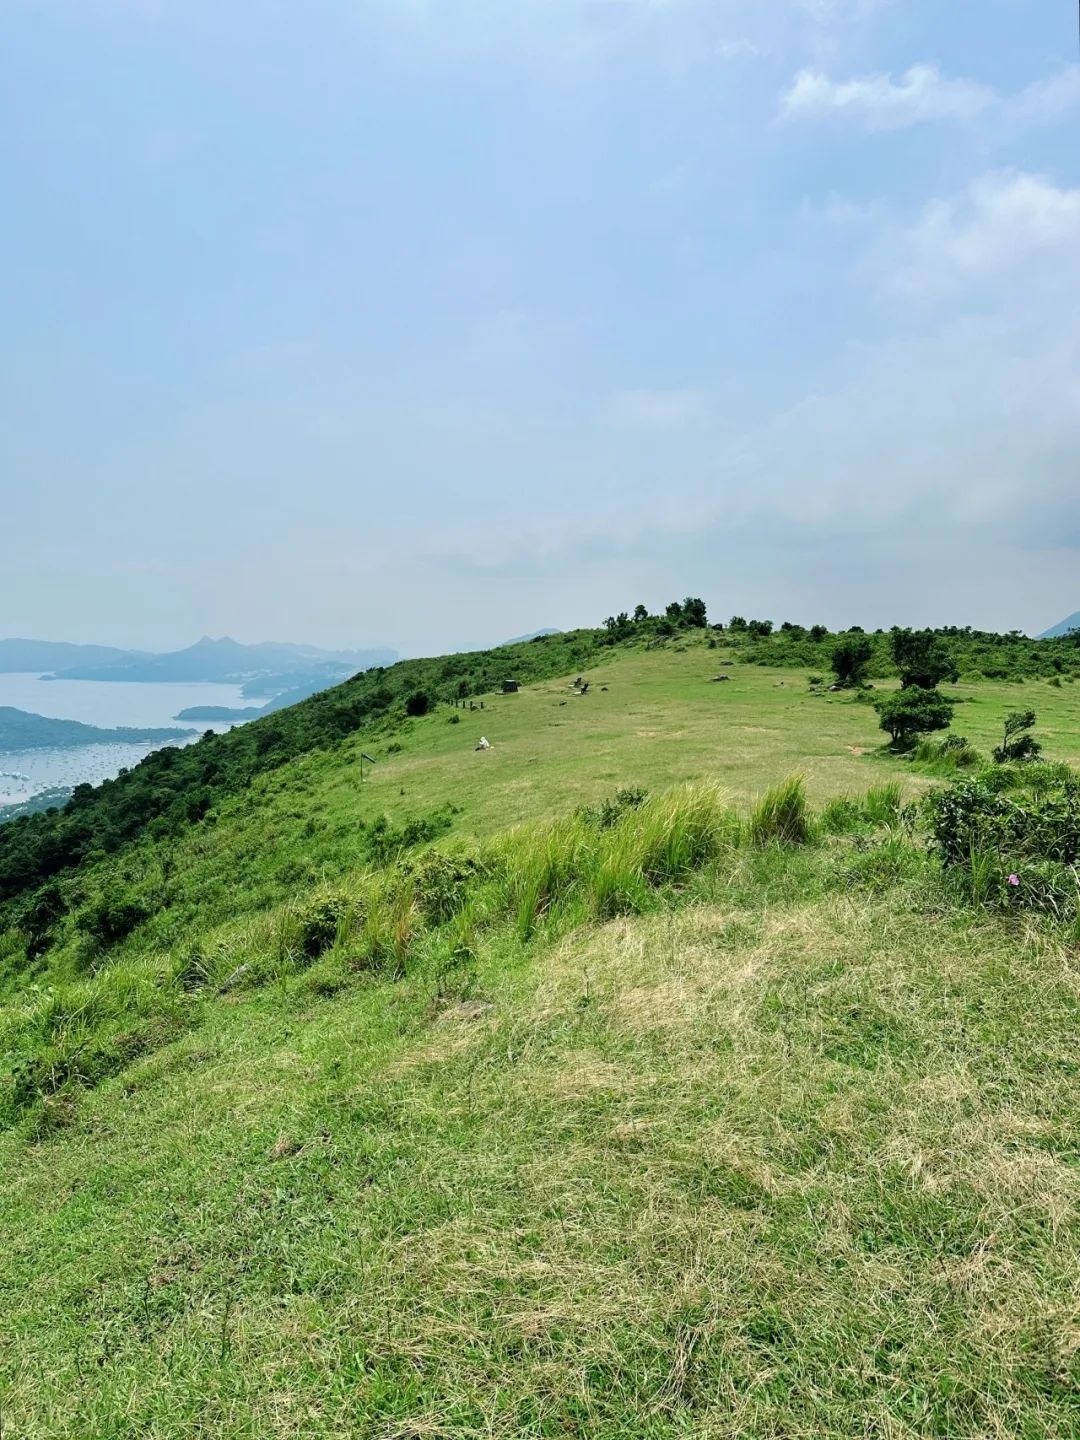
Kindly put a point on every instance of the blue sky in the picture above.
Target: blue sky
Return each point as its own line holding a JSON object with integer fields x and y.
{"x": 428, "y": 322}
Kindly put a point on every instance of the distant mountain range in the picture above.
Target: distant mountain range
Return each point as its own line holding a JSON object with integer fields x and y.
{"x": 264, "y": 669}
{"x": 20, "y": 730}
{"x": 1065, "y": 626}
{"x": 26, "y": 656}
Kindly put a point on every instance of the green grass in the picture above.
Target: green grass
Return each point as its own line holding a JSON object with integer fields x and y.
{"x": 784, "y": 1156}
{"x": 659, "y": 722}
{"x": 717, "y": 1113}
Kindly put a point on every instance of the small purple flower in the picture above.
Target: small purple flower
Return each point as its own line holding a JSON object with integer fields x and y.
{"x": 1014, "y": 879}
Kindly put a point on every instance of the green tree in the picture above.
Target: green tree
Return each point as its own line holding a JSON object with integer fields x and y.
{"x": 906, "y": 714}
{"x": 922, "y": 659}
{"x": 1019, "y": 743}
{"x": 640, "y": 613}
{"x": 850, "y": 657}
{"x": 694, "y": 612}
{"x": 418, "y": 703}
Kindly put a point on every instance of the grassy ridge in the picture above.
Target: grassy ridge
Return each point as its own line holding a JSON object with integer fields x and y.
{"x": 640, "y": 1122}
{"x": 172, "y": 790}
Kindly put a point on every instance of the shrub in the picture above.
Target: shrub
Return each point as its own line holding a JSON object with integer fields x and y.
{"x": 906, "y": 714}
{"x": 441, "y": 884}
{"x": 319, "y": 923}
{"x": 922, "y": 659}
{"x": 610, "y": 812}
{"x": 418, "y": 703}
{"x": 850, "y": 657}
{"x": 1009, "y": 846}
{"x": 110, "y": 918}
{"x": 782, "y": 816}
{"x": 1018, "y": 742}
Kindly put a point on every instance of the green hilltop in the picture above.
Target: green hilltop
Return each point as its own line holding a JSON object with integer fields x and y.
{"x": 689, "y": 1062}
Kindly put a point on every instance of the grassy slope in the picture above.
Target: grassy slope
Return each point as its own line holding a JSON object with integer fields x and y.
{"x": 660, "y": 722}
{"x": 794, "y": 1159}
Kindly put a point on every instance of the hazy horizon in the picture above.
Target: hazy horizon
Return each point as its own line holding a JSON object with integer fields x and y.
{"x": 417, "y": 324}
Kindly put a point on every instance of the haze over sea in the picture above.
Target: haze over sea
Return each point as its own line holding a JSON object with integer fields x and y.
{"x": 97, "y": 702}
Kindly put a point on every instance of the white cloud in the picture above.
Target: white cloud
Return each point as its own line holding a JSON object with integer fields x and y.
{"x": 882, "y": 103}
{"x": 1046, "y": 101}
{"x": 1005, "y": 221}
{"x": 922, "y": 94}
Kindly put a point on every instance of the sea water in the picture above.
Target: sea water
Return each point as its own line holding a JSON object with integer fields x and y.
{"x": 107, "y": 704}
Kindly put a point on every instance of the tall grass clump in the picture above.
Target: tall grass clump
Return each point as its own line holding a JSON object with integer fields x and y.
{"x": 782, "y": 816}
{"x": 884, "y": 802}
{"x": 661, "y": 843}
{"x": 590, "y": 865}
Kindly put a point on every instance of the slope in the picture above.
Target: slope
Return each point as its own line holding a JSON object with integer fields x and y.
{"x": 787, "y": 1150}
{"x": 1064, "y": 627}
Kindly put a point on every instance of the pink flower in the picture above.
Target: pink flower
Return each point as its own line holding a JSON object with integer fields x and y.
{"x": 1014, "y": 879}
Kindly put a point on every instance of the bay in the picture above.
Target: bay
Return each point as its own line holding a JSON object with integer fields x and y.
{"x": 25, "y": 773}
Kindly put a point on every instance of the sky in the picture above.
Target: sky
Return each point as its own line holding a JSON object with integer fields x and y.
{"x": 432, "y": 322}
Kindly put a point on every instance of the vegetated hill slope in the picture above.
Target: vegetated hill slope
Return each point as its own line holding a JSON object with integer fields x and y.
{"x": 646, "y": 1120}
{"x": 651, "y": 718}
{"x": 788, "y": 1149}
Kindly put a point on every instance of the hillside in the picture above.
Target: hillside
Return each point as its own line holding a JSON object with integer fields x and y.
{"x": 20, "y": 730}
{"x": 1064, "y": 627}
{"x": 333, "y": 1108}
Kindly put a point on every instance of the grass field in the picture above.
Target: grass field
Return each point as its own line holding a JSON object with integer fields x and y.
{"x": 792, "y": 1159}
{"x": 684, "y": 1125}
{"x": 660, "y": 721}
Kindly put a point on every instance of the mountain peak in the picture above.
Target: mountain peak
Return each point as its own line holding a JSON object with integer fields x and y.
{"x": 1063, "y": 627}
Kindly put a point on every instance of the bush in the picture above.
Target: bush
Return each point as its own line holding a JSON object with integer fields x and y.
{"x": 610, "y": 812}
{"x": 110, "y": 918}
{"x": 320, "y": 922}
{"x": 922, "y": 659}
{"x": 906, "y": 714}
{"x": 418, "y": 703}
{"x": 1018, "y": 742}
{"x": 850, "y": 658}
{"x": 1008, "y": 846}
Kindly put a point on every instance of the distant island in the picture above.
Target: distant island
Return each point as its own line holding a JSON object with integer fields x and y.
{"x": 20, "y": 730}
{"x": 280, "y": 701}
